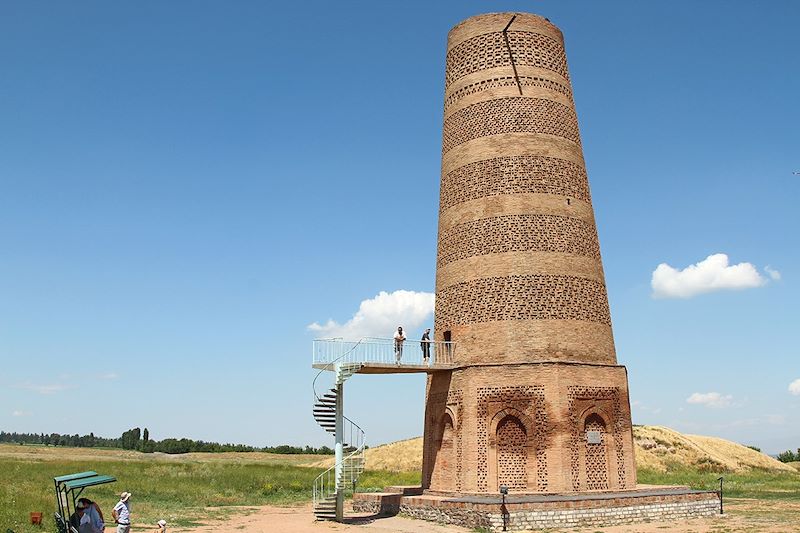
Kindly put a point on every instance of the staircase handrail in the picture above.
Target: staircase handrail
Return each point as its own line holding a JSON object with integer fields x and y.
{"x": 355, "y": 439}
{"x": 329, "y": 366}
{"x": 381, "y": 350}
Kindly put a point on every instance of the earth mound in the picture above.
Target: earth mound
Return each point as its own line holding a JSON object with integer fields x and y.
{"x": 657, "y": 448}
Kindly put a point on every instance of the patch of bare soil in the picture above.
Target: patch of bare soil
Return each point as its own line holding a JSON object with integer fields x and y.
{"x": 269, "y": 519}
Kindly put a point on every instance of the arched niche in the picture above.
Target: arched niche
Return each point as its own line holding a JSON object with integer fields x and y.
{"x": 444, "y": 469}
{"x": 512, "y": 451}
{"x": 596, "y": 448}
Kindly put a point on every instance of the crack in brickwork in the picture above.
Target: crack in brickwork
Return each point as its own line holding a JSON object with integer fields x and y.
{"x": 514, "y": 175}
{"x": 577, "y": 393}
{"x": 489, "y": 50}
{"x": 523, "y": 297}
{"x": 507, "y": 81}
{"x": 528, "y": 399}
{"x": 510, "y": 115}
{"x": 518, "y": 233}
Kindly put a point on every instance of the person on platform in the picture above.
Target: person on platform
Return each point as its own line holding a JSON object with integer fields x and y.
{"x": 122, "y": 513}
{"x": 425, "y": 345}
{"x": 399, "y": 337}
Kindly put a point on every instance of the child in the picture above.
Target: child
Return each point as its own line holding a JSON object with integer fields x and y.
{"x": 162, "y": 527}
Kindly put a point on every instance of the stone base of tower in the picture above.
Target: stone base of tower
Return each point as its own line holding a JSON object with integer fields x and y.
{"x": 532, "y": 512}
{"x": 545, "y": 427}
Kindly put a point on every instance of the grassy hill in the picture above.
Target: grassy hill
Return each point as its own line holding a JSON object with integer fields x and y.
{"x": 658, "y": 449}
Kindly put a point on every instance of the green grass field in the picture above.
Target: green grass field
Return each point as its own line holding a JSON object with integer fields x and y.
{"x": 180, "y": 491}
{"x": 755, "y": 484}
{"x": 185, "y": 490}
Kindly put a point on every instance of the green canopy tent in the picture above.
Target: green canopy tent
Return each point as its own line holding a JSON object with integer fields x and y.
{"x": 68, "y": 489}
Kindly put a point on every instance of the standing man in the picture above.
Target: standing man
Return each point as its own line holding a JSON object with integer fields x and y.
{"x": 399, "y": 337}
{"x": 122, "y": 513}
{"x": 425, "y": 344}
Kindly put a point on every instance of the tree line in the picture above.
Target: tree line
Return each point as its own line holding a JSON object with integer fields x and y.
{"x": 789, "y": 457}
{"x": 136, "y": 439}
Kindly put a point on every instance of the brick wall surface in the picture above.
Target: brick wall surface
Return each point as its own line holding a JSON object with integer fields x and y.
{"x": 519, "y": 281}
{"x": 536, "y": 516}
{"x": 515, "y": 196}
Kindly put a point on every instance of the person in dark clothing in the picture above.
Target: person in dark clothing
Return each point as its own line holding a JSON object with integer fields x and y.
{"x": 425, "y": 345}
{"x": 75, "y": 519}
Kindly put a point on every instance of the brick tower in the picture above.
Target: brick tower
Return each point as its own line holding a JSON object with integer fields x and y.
{"x": 537, "y": 401}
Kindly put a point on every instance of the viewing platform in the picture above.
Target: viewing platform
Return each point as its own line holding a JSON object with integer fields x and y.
{"x": 371, "y": 355}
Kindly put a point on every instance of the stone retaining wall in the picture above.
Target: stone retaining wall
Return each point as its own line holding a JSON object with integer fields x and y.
{"x": 533, "y": 516}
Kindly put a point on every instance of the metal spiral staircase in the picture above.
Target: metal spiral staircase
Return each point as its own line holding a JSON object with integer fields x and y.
{"x": 344, "y": 358}
{"x": 330, "y": 486}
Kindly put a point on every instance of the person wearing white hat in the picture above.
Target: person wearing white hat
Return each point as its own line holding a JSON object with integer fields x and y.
{"x": 122, "y": 513}
{"x": 162, "y": 527}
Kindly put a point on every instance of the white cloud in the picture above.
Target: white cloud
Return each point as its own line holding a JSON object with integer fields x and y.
{"x": 711, "y": 274}
{"x": 710, "y": 399}
{"x": 109, "y": 376}
{"x": 45, "y": 389}
{"x": 774, "y": 274}
{"x": 20, "y": 413}
{"x": 380, "y": 316}
{"x": 794, "y": 387}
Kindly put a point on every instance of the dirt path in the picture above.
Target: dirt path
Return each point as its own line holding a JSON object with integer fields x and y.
{"x": 270, "y": 519}
{"x": 743, "y": 516}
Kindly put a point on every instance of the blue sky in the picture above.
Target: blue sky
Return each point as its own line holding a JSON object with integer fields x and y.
{"x": 185, "y": 187}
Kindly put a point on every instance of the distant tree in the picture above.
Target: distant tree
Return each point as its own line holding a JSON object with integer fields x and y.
{"x": 788, "y": 456}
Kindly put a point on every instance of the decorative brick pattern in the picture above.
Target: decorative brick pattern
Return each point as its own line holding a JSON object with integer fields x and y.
{"x": 514, "y": 175}
{"x": 528, "y": 399}
{"x": 518, "y": 233}
{"x": 596, "y": 467}
{"x": 511, "y": 454}
{"x": 578, "y": 393}
{"x": 489, "y": 50}
{"x": 524, "y": 297}
{"x": 506, "y": 81}
{"x": 510, "y": 115}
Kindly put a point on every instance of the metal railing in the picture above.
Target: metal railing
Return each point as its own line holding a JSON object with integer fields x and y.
{"x": 353, "y": 438}
{"x": 326, "y": 485}
{"x": 383, "y": 351}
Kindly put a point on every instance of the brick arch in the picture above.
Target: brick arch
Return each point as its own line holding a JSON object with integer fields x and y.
{"x": 596, "y": 459}
{"x": 512, "y": 463}
{"x": 598, "y": 411}
{"x": 443, "y": 477}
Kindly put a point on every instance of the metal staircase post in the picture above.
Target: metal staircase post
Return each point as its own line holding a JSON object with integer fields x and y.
{"x": 339, "y": 435}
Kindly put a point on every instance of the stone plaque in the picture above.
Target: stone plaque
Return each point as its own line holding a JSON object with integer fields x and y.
{"x": 593, "y": 437}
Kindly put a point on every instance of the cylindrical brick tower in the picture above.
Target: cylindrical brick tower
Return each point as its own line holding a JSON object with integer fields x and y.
{"x": 537, "y": 402}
